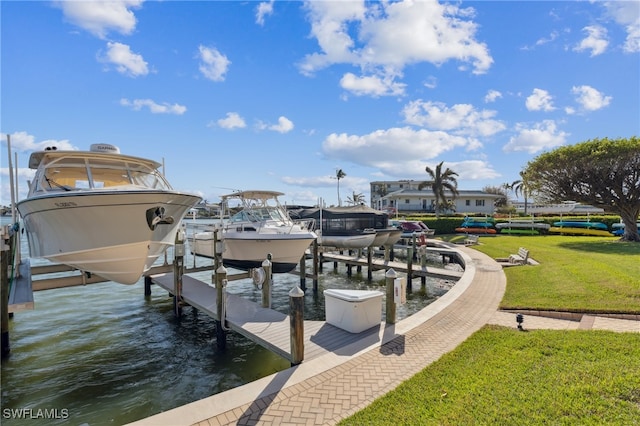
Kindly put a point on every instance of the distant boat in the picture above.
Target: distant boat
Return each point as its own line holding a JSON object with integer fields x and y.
{"x": 100, "y": 211}
{"x": 260, "y": 228}
{"x": 351, "y": 227}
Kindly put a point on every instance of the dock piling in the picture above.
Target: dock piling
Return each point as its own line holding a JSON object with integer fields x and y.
{"x": 221, "y": 334}
{"x": 4, "y": 293}
{"x": 296, "y": 315}
{"x": 178, "y": 270}
{"x": 390, "y": 276}
{"x": 266, "y": 286}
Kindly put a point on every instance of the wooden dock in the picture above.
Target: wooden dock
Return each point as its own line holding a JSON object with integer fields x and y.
{"x": 267, "y": 327}
{"x": 21, "y": 294}
{"x": 377, "y": 263}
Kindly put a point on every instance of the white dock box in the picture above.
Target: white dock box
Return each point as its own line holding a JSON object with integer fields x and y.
{"x": 353, "y": 310}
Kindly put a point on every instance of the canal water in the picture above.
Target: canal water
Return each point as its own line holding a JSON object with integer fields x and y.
{"x": 104, "y": 354}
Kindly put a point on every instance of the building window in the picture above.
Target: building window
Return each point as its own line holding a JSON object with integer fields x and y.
{"x": 406, "y": 201}
{"x": 479, "y": 203}
{"x": 467, "y": 203}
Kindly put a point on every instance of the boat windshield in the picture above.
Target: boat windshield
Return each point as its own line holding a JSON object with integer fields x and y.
{"x": 262, "y": 214}
{"x": 77, "y": 173}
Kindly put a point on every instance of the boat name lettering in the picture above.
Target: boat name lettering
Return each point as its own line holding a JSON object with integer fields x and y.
{"x": 66, "y": 204}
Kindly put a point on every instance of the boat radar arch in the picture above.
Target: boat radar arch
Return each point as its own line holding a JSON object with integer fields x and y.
{"x": 104, "y": 147}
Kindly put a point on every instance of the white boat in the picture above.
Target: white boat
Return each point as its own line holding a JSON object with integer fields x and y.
{"x": 260, "y": 228}
{"x": 100, "y": 211}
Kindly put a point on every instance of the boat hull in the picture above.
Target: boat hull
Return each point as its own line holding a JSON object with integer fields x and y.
{"x": 115, "y": 234}
{"x": 350, "y": 241}
{"x": 247, "y": 250}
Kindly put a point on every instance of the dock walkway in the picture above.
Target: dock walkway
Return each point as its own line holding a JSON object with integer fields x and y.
{"x": 268, "y": 327}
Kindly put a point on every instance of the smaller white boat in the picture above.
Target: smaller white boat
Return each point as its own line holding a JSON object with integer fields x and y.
{"x": 100, "y": 211}
{"x": 261, "y": 227}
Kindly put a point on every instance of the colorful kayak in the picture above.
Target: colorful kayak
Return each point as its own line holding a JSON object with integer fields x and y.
{"x": 579, "y": 231}
{"x": 475, "y": 230}
{"x": 581, "y": 224}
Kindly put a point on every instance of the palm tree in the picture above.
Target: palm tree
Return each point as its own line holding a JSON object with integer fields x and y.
{"x": 339, "y": 175}
{"x": 439, "y": 182}
{"x": 355, "y": 199}
{"x": 520, "y": 187}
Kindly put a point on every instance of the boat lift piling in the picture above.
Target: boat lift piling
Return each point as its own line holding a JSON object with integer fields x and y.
{"x": 4, "y": 293}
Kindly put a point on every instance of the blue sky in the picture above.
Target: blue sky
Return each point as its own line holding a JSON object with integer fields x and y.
{"x": 280, "y": 95}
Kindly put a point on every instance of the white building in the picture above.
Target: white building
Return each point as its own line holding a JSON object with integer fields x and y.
{"x": 404, "y": 196}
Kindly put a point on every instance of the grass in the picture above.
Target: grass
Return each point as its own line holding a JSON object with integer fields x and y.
{"x": 577, "y": 274}
{"x": 503, "y": 376}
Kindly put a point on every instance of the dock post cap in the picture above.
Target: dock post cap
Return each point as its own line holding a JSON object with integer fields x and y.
{"x": 391, "y": 273}
{"x": 296, "y": 292}
{"x": 266, "y": 263}
{"x": 221, "y": 270}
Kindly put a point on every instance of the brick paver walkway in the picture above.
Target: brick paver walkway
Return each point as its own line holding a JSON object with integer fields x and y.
{"x": 324, "y": 391}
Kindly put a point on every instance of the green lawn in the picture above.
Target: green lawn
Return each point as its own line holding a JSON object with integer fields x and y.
{"x": 506, "y": 377}
{"x": 579, "y": 274}
{"x": 503, "y": 376}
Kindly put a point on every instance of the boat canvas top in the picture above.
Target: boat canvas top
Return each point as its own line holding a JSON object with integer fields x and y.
{"x": 97, "y": 150}
{"x": 254, "y": 195}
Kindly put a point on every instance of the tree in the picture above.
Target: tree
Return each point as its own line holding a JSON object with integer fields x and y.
{"x": 356, "y": 199}
{"x": 339, "y": 175}
{"x": 498, "y": 190}
{"x": 603, "y": 172}
{"x": 439, "y": 182}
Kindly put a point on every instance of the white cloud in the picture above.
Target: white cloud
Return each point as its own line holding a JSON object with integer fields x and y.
{"x": 543, "y": 135}
{"x": 263, "y": 9}
{"x": 214, "y": 65}
{"x": 371, "y": 85}
{"x": 24, "y": 142}
{"x": 395, "y": 151}
{"x": 461, "y": 119}
{"x": 596, "y": 40}
{"x": 470, "y": 170}
{"x": 492, "y": 95}
{"x": 233, "y": 120}
{"x": 431, "y": 82}
{"x": 154, "y": 108}
{"x": 627, "y": 14}
{"x": 539, "y": 100}
{"x": 381, "y": 38}
{"x": 125, "y": 61}
{"x": 99, "y": 17}
{"x": 589, "y": 98}
{"x": 284, "y": 125}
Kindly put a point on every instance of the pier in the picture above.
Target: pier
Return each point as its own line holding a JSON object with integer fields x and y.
{"x": 267, "y": 327}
